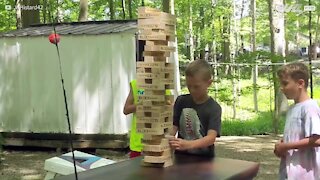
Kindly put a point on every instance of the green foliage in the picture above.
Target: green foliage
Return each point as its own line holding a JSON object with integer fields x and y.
{"x": 7, "y": 17}
{"x": 262, "y": 124}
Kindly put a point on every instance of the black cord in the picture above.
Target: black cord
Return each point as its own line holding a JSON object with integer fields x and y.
{"x": 310, "y": 52}
{"x": 65, "y": 97}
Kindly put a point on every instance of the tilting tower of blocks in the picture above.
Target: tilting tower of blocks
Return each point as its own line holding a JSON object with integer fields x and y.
{"x": 155, "y": 79}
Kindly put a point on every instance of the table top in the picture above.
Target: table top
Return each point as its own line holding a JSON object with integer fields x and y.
{"x": 185, "y": 167}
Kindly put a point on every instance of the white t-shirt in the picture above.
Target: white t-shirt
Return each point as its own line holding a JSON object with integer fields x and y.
{"x": 302, "y": 121}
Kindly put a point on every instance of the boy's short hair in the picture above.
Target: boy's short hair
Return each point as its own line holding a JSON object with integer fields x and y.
{"x": 197, "y": 67}
{"x": 296, "y": 71}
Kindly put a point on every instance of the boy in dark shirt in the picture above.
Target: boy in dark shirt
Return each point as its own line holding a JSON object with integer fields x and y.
{"x": 197, "y": 117}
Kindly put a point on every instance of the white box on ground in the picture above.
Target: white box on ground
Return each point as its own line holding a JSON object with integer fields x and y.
{"x": 63, "y": 165}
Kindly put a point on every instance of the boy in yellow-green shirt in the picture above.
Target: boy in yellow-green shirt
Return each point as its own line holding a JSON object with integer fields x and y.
{"x": 130, "y": 107}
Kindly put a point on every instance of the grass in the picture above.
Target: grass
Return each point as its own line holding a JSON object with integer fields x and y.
{"x": 260, "y": 125}
{"x": 247, "y": 121}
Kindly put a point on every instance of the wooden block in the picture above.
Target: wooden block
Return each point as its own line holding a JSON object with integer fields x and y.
{"x": 153, "y": 29}
{"x": 151, "y": 98}
{"x": 167, "y": 32}
{"x": 164, "y": 145}
{"x": 160, "y": 114}
{"x": 151, "y": 65}
{"x": 148, "y": 125}
{"x": 155, "y": 81}
{"x": 152, "y": 43}
{"x": 145, "y": 13}
{"x": 158, "y": 131}
{"x": 162, "y": 19}
{"x": 148, "y": 101}
{"x": 150, "y": 70}
{"x": 155, "y": 26}
{"x": 153, "y": 108}
{"x": 146, "y": 117}
{"x": 151, "y": 75}
{"x": 146, "y": 9}
{"x": 168, "y": 81}
{"x": 168, "y": 162}
{"x": 167, "y": 136}
{"x": 169, "y": 86}
{"x": 159, "y": 48}
{"x": 155, "y": 59}
{"x": 150, "y": 81}
{"x": 166, "y": 154}
{"x": 156, "y": 103}
{"x": 152, "y": 139}
{"x": 155, "y": 67}
{"x": 152, "y": 86}
{"x": 159, "y": 54}
{"x": 154, "y": 36}
{"x": 153, "y": 120}
{"x": 155, "y": 92}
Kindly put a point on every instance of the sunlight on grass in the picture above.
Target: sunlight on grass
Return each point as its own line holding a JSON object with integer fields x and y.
{"x": 247, "y": 121}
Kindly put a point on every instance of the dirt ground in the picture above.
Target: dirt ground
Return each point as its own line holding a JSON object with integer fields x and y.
{"x": 28, "y": 164}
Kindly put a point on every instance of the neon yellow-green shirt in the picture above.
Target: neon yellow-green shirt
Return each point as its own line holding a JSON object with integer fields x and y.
{"x": 135, "y": 137}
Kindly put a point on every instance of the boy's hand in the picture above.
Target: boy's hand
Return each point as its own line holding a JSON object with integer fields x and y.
{"x": 280, "y": 149}
{"x": 180, "y": 144}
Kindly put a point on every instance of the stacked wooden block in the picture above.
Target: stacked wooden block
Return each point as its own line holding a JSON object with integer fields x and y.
{"x": 155, "y": 76}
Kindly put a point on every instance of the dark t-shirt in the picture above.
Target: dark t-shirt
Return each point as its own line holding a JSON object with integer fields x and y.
{"x": 194, "y": 120}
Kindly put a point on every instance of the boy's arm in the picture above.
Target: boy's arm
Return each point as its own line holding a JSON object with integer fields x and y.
{"x": 208, "y": 140}
{"x": 174, "y": 130}
{"x": 312, "y": 141}
{"x": 129, "y": 106}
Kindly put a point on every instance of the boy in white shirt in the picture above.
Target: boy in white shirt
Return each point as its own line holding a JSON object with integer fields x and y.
{"x": 299, "y": 149}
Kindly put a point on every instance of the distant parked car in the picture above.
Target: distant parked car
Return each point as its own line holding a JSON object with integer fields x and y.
{"x": 263, "y": 48}
{"x": 304, "y": 51}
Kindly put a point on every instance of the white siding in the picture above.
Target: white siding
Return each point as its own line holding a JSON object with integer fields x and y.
{"x": 96, "y": 69}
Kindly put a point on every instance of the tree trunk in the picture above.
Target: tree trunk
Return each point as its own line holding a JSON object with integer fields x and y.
{"x": 201, "y": 30}
{"x": 44, "y": 11}
{"x": 83, "y": 14}
{"x": 277, "y": 32}
{"x": 123, "y": 6}
{"x": 233, "y": 31}
{"x": 111, "y": 9}
{"x": 130, "y": 9}
{"x": 191, "y": 47}
{"x": 226, "y": 42}
{"x": 298, "y": 35}
{"x": 316, "y": 37}
{"x": 241, "y": 27}
{"x": 18, "y": 14}
{"x": 175, "y": 58}
{"x": 253, "y": 48}
{"x": 166, "y": 6}
{"x": 29, "y": 16}
{"x": 60, "y": 11}
{"x": 214, "y": 55}
{"x": 234, "y": 88}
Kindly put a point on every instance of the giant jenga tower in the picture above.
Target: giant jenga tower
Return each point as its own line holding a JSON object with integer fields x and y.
{"x": 155, "y": 77}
